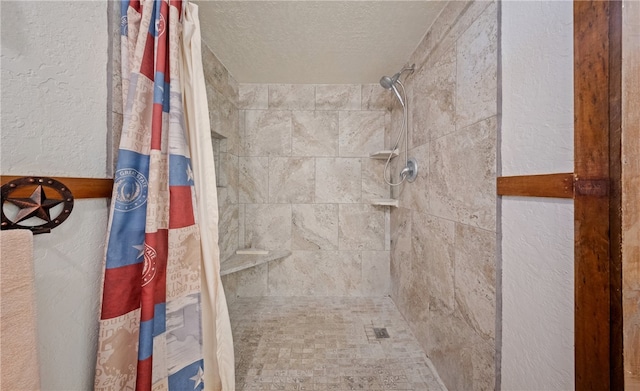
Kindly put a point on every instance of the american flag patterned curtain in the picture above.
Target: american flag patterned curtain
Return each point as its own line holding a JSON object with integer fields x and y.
{"x": 150, "y": 324}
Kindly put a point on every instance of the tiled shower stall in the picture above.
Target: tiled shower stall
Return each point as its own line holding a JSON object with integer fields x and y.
{"x": 294, "y": 173}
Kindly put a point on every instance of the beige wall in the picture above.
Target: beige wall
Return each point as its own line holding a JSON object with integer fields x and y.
{"x": 631, "y": 194}
{"x": 304, "y": 183}
{"x": 443, "y": 236}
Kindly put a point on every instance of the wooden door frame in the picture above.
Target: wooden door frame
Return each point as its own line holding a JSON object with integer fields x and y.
{"x": 595, "y": 186}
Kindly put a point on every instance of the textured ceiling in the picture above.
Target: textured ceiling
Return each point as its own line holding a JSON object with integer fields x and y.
{"x": 315, "y": 42}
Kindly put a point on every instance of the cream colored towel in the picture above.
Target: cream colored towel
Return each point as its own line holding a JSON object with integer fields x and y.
{"x": 18, "y": 341}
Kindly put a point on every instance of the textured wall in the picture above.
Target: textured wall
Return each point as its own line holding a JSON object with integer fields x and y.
{"x": 537, "y": 234}
{"x": 304, "y": 184}
{"x": 443, "y": 236}
{"x": 326, "y": 42}
{"x": 54, "y": 122}
{"x": 631, "y": 192}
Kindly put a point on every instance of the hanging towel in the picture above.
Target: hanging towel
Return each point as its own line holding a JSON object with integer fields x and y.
{"x": 19, "y": 348}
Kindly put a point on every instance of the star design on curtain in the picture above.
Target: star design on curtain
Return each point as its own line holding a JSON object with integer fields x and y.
{"x": 140, "y": 248}
{"x": 189, "y": 173}
{"x": 37, "y": 205}
{"x": 198, "y": 378}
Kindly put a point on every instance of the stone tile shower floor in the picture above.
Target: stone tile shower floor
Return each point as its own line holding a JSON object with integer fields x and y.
{"x": 284, "y": 343}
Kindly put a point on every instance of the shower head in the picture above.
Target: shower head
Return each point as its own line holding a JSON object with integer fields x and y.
{"x": 389, "y": 82}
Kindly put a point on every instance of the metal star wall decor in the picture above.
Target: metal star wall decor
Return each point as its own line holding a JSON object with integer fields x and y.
{"x": 37, "y": 204}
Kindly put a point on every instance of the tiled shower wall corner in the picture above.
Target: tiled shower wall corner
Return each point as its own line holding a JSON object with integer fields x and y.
{"x": 222, "y": 99}
{"x": 304, "y": 183}
{"x": 443, "y": 244}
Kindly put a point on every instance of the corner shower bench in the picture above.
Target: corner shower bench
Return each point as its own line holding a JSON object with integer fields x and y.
{"x": 238, "y": 262}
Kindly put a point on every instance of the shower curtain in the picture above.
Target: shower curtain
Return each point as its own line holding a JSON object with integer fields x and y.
{"x": 217, "y": 327}
{"x": 157, "y": 325}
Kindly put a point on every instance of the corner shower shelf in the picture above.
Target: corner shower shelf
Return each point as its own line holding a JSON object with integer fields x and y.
{"x": 238, "y": 262}
{"x": 385, "y": 202}
{"x": 384, "y": 154}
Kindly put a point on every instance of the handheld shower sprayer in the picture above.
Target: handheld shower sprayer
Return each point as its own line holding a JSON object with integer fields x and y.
{"x": 389, "y": 83}
{"x": 410, "y": 170}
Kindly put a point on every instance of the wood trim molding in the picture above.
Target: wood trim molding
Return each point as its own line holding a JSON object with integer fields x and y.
{"x": 546, "y": 185}
{"x": 80, "y": 187}
{"x": 596, "y": 95}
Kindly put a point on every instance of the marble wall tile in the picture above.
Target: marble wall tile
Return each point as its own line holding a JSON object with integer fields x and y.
{"x": 230, "y": 286}
{"x": 229, "y": 175}
{"x": 393, "y": 136}
{"x": 235, "y": 90}
{"x": 215, "y": 112}
{"x": 291, "y": 180}
{"x": 471, "y": 12}
{"x": 463, "y": 360}
{"x": 252, "y": 282}
{"x": 453, "y": 98}
{"x": 432, "y": 242}
{"x": 462, "y": 175}
{"x": 338, "y": 97}
{"x": 267, "y": 133}
{"x": 453, "y": 21}
{"x": 373, "y": 184}
{"x": 313, "y": 273}
{"x": 338, "y": 180}
{"x": 241, "y": 221}
{"x": 374, "y": 97}
{"x": 215, "y": 145}
{"x": 253, "y": 96}
{"x": 414, "y": 195}
{"x": 315, "y": 133}
{"x": 223, "y": 115}
{"x": 268, "y": 226}
{"x": 476, "y": 68}
{"x": 361, "y": 227}
{"x": 292, "y": 96}
{"x": 375, "y": 273}
{"x": 401, "y": 251}
{"x": 215, "y": 74}
{"x": 241, "y": 133}
{"x": 314, "y": 227}
{"x": 475, "y": 278}
{"x": 438, "y": 32}
{"x": 434, "y": 88}
{"x": 253, "y": 182}
{"x": 389, "y": 131}
{"x": 361, "y": 132}
{"x": 387, "y": 229}
{"x": 228, "y": 231}
{"x": 410, "y": 113}
{"x": 232, "y": 143}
